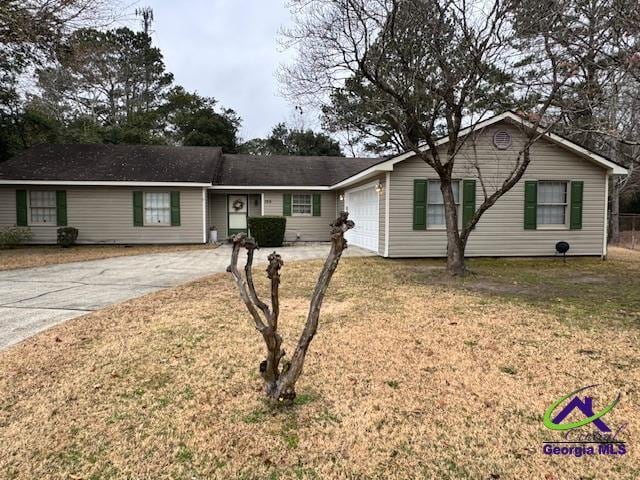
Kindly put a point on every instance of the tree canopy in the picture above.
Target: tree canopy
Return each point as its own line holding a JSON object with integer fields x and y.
{"x": 109, "y": 86}
{"x": 290, "y": 141}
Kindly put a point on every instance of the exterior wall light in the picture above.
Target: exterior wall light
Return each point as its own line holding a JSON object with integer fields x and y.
{"x": 379, "y": 188}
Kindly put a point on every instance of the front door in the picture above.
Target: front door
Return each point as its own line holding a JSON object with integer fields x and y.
{"x": 237, "y": 208}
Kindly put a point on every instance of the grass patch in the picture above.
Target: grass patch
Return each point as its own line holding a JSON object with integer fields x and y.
{"x": 27, "y": 256}
{"x": 411, "y": 375}
{"x": 580, "y": 291}
{"x": 509, "y": 370}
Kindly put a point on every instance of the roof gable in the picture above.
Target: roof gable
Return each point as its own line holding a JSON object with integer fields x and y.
{"x": 512, "y": 118}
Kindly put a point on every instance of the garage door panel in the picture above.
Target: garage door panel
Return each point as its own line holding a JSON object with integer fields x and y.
{"x": 363, "y": 207}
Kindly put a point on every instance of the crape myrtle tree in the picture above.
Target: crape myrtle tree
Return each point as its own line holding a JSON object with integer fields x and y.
{"x": 423, "y": 68}
{"x": 279, "y": 375}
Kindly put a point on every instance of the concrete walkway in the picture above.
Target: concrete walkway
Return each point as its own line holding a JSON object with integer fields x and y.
{"x": 34, "y": 299}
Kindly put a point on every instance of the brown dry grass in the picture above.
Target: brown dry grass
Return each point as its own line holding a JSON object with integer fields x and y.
{"x": 41, "y": 255}
{"x": 405, "y": 379}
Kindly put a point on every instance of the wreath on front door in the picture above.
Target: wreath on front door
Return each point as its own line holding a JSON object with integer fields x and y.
{"x": 238, "y": 205}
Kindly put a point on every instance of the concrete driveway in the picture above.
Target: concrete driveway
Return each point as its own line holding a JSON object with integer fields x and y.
{"x": 34, "y": 299}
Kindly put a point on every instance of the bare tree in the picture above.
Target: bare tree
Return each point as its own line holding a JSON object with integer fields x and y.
{"x": 280, "y": 377}
{"x": 598, "y": 108}
{"x": 431, "y": 65}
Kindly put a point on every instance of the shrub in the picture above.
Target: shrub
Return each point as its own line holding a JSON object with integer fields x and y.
{"x": 12, "y": 236}
{"x": 268, "y": 231}
{"x": 67, "y": 236}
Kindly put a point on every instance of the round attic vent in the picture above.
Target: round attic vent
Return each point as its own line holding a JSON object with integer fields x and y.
{"x": 502, "y": 140}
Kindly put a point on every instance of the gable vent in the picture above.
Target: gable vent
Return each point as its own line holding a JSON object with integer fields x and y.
{"x": 502, "y": 140}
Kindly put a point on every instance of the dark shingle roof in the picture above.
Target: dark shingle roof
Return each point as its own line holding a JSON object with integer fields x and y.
{"x": 153, "y": 163}
{"x": 114, "y": 163}
{"x": 279, "y": 170}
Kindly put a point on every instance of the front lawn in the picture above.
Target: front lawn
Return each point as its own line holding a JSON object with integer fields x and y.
{"x": 411, "y": 375}
{"x": 28, "y": 256}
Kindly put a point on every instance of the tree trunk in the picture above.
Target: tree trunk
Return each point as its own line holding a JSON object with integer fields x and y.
{"x": 615, "y": 211}
{"x": 455, "y": 245}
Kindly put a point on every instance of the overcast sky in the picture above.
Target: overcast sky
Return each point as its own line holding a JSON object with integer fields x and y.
{"x": 226, "y": 49}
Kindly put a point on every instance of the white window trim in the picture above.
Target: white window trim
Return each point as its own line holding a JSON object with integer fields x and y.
{"x": 443, "y": 227}
{"x": 567, "y": 193}
{"x": 310, "y": 214}
{"x": 144, "y": 210}
{"x": 41, "y": 224}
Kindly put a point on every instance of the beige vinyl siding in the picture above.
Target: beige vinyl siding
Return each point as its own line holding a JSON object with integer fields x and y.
{"x": 255, "y": 205}
{"x": 105, "y": 215}
{"x": 307, "y": 228}
{"x": 217, "y": 214}
{"x": 500, "y": 231}
{"x": 381, "y": 208}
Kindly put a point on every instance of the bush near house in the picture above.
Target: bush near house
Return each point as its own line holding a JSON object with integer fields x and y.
{"x": 12, "y": 236}
{"x": 268, "y": 231}
{"x": 67, "y": 236}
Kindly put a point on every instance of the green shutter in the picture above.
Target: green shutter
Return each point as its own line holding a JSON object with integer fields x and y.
{"x": 286, "y": 204}
{"x": 316, "y": 204}
{"x": 61, "y": 208}
{"x": 21, "y": 208}
{"x": 530, "y": 205}
{"x": 576, "y": 205}
{"x": 175, "y": 209}
{"x": 468, "y": 200}
{"x": 419, "y": 204}
{"x": 137, "y": 210}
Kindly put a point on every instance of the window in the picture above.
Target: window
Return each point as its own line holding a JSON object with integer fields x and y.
{"x": 42, "y": 207}
{"x": 552, "y": 203}
{"x": 157, "y": 208}
{"x": 301, "y": 204}
{"x": 435, "y": 202}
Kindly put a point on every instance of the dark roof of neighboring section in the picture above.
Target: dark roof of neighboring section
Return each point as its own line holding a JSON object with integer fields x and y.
{"x": 281, "y": 170}
{"x": 114, "y": 163}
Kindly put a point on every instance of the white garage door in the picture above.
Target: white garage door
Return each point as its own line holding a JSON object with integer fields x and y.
{"x": 362, "y": 204}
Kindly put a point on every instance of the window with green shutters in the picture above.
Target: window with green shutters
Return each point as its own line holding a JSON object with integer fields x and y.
{"x": 546, "y": 203}
{"x": 301, "y": 204}
{"x": 41, "y": 207}
{"x": 156, "y": 209}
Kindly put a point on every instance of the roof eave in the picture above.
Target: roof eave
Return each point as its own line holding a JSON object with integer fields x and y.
{"x": 269, "y": 187}
{"x": 110, "y": 183}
